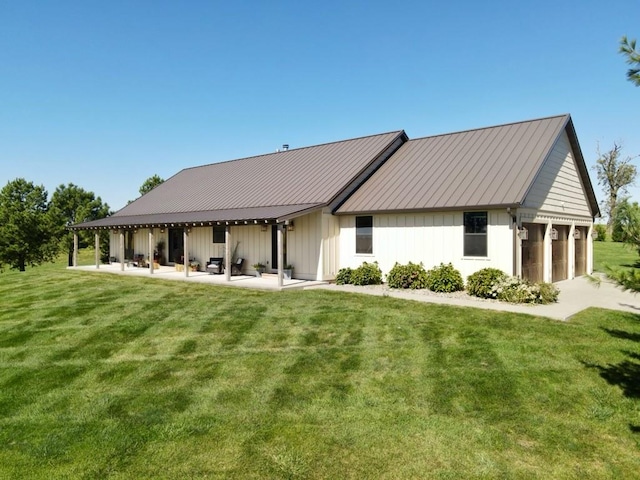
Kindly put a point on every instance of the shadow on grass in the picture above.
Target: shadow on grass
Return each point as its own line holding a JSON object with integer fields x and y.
{"x": 625, "y": 374}
{"x": 631, "y": 265}
{"x": 634, "y": 337}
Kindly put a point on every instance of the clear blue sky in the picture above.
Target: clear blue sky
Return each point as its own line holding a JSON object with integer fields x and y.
{"x": 106, "y": 94}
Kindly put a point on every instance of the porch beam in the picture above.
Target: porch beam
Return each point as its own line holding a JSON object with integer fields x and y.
{"x": 75, "y": 248}
{"x": 151, "y": 250}
{"x": 280, "y": 256}
{"x": 97, "y": 248}
{"x": 227, "y": 253}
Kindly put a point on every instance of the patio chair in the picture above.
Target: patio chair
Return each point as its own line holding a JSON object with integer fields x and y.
{"x": 139, "y": 260}
{"x": 236, "y": 267}
{"x": 215, "y": 265}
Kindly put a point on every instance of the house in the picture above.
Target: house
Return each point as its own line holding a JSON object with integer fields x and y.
{"x": 515, "y": 197}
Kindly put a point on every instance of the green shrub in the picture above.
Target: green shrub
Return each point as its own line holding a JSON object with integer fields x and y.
{"x": 480, "y": 283}
{"x": 367, "y": 274}
{"x": 344, "y": 276}
{"x": 516, "y": 290}
{"x": 444, "y": 278}
{"x": 407, "y": 276}
{"x": 601, "y": 230}
{"x": 548, "y": 292}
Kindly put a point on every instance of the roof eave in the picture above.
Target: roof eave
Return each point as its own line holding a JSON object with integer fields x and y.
{"x": 455, "y": 208}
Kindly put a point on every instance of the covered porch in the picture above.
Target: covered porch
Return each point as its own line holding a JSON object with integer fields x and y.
{"x": 249, "y": 236}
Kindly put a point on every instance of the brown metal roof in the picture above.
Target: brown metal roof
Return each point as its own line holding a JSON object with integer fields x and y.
{"x": 492, "y": 166}
{"x": 260, "y": 185}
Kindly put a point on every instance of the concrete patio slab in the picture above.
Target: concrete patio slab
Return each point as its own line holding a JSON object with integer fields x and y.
{"x": 266, "y": 282}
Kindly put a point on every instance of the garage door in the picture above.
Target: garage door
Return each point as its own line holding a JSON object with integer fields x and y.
{"x": 559, "y": 245}
{"x": 533, "y": 252}
{"x": 580, "y": 239}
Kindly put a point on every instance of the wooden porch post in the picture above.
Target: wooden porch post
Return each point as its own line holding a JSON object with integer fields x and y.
{"x": 151, "y": 248}
{"x": 227, "y": 253}
{"x": 186, "y": 251}
{"x": 280, "y": 256}
{"x": 571, "y": 252}
{"x": 122, "y": 250}
{"x": 75, "y": 248}
{"x": 97, "y": 248}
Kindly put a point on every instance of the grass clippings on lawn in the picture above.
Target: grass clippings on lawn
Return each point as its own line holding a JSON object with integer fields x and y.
{"x": 115, "y": 377}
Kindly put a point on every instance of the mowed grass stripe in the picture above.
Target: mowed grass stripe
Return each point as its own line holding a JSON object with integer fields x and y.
{"x": 140, "y": 378}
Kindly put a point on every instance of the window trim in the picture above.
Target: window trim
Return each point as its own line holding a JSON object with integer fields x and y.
{"x": 484, "y": 234}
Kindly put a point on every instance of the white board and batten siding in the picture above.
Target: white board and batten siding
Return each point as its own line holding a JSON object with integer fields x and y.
{"x": 558, "y": 188}
{"x": 430, "y": 238}
{"x": 312, "y": 246}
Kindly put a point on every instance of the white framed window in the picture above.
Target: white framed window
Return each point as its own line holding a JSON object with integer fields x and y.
{"x": 475, "y": 234}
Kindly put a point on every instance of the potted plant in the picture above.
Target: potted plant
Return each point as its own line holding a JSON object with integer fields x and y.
{"x": 287, "y": 271}
{"x": 158, "y": 255}
{"x": 260, "y": 268}
{"x": 194, "y": 265}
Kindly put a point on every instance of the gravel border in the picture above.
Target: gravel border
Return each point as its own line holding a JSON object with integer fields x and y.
{"x": 423, "y": 292}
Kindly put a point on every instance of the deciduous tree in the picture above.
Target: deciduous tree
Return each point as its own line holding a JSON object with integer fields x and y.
{"x": 615, "y": 175}
{"x": 71, "y": 204}
{"x": 27, "y": 228}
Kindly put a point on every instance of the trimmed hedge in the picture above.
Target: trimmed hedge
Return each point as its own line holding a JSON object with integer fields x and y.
{"x": 480, "y": 283}
{"x": 412, "y": 276}
{"x": 365, "y": 274}
{"x": 444, "y": 278}
{"x": 344, "y": 276}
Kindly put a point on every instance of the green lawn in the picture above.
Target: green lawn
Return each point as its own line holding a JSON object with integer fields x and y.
{"x": 615, "y": 255}
{"x": 103, "y": 376}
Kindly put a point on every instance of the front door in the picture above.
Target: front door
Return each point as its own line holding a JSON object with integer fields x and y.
{"x": 176, "y": 245}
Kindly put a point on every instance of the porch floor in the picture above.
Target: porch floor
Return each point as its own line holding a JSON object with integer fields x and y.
{"x": 266, "y": 282}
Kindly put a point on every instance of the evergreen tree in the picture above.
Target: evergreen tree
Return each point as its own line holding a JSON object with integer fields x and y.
{"x": 27, "y": 228}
